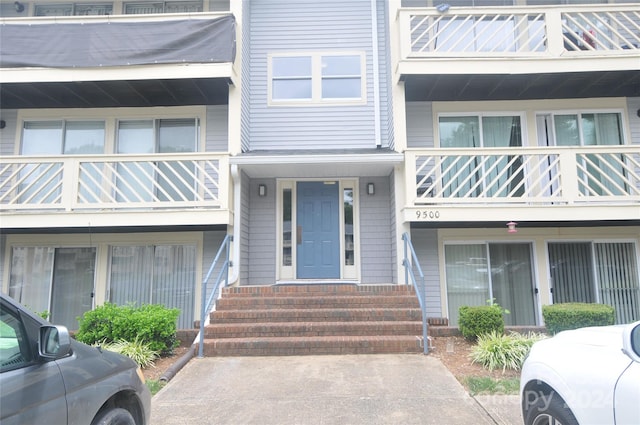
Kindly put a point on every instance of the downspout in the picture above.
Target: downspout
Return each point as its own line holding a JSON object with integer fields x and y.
{"x": 376, "y": 72}
{"x": 235, "y": 256}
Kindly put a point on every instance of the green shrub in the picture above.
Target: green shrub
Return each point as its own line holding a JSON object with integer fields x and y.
{"x": 137, "y": 350}
{"x": 152, "y": 324}
{"x": 562, "y": 317}
{"x": 479, "y": 320}
{"x": 496, "y": 350}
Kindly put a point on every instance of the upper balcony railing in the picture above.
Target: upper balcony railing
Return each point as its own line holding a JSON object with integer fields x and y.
{"x": 545, "y": 32}
{"x": 606, "y": 175}
{"x": 113, "y": 182}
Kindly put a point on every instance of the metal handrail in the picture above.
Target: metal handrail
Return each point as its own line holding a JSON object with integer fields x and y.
{"x": 408, "y": 273}
{"x": 206, "y": 302}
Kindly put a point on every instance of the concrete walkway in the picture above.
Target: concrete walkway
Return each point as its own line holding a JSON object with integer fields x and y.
{"x": 363, "y": 389}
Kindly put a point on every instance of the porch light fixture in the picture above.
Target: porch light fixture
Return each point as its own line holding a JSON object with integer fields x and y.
{"x": 443, "y": 7}
{"x": 511, "y": 227}
{"x": 262, "y": 190}
{"x": 371, "y": 189}
{"x": 19, "y": 6}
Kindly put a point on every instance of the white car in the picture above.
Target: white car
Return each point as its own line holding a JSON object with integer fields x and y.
{"x": 584, "y": 376}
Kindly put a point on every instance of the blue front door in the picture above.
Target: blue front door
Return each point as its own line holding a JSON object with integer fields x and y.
{"x": 318, "y": 230}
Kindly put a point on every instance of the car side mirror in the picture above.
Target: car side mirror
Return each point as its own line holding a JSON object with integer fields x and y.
{"x": 631, "y": 341}
{"x": 54, "y": 342}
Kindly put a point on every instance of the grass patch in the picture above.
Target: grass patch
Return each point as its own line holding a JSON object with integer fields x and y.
{"x": 154, "y": 385}
{"x": 480, "y": 385}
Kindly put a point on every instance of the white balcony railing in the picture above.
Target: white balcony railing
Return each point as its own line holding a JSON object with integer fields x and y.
{"x": 526, "y": 176}
{"x": 520, "y": 31}
{"x": 114, "y": 183}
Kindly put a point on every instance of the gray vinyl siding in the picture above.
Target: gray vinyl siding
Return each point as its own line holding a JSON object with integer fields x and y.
{"x": 309, "y": 26}
{"x": 419, "y": 125}
{"x": 8, "y": 134}
{"x": 245, "y": 112}
{"x": 394, "y": 230}
{"x": 425, "y": 243}
{"x": 376, "y": 232}
{"x": 262, "y": 233}
{"x": 384, "y": 54}
{"x": 217, "y": 128}
{"x": 244, "y": 229}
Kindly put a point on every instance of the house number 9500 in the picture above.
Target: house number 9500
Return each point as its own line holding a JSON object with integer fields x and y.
{"x": 427, "y": 215}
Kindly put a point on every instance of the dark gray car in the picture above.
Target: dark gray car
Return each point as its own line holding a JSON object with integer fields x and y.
{"x": 47, "y": 377}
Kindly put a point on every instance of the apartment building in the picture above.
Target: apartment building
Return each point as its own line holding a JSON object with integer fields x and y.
{"x": 502, "y": 140}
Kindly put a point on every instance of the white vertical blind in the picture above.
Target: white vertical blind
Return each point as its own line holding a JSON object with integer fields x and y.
{"x": 467, "y": 276}
{"x": 616, "y": 271}
{"x": 163, "y": 274}
{"x": 30, "y": 280}
{"x": 572, "y": 272}
{"x": 609, "y": 269}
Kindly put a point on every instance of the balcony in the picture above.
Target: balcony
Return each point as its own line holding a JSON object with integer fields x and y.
{"x": 520, "y": 52}
{"x": 523, "y": 184}
{"x": 114, "y": 190}
{"x": 117, "y": 61}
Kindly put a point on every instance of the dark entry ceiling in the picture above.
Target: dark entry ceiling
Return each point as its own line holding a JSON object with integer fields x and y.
{"x": 522, "y": 86}
{"x": 105, "y": 94}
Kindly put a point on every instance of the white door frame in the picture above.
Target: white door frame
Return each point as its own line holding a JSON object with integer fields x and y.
{"x": 286, "y": 264}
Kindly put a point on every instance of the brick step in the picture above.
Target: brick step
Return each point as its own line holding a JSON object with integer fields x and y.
{"x": 310, "y": 329}
{"x": 297, "y": 346}
{"x": 317, "y": 290}
{"x": 316, "y": 314}
{"x": 329, "y": 301}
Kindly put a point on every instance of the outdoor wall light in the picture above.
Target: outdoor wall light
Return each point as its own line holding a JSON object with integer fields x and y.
{"x": 511, "y": 227}
{"x": 19, "y": 6}
{"x": 262, "y": 190}
{"x": 443, "y": 7}
{"x": 371, "y": 189}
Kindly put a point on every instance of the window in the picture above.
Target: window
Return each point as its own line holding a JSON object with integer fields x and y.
{"x": 496, "y": 175}
{"x": 172, "y": 180}
{"x": 155, "y": 274}
{"x": 59, "y": 281}
{"x": 41, "y": 183}
{"x": 597, "y": 272}
{"x": 317, "y": 78}
{"x": 149, "y": 7}
{"x": 73, "y": 9}
{"x": 14, "y": 342}
{"x": 599, "y": 174}
{"x": 478, "y": 273}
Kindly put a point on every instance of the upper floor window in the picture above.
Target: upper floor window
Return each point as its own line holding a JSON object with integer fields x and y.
{"x": 144, "y": 7}
{"x": 63, "y": 137}
{"x": 480, "y": 131}
{"x": 73, "y": 9}
{"x": 317, "y": 78}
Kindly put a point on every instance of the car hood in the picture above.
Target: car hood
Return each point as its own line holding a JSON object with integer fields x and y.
{"x": 87, "y": 365}
{"x": 592, "y": 337}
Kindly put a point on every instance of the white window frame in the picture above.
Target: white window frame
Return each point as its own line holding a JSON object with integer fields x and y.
{"x": 552, "y": 113}
{"x": 317, "y": 79}
{"x": 111, "y": 116}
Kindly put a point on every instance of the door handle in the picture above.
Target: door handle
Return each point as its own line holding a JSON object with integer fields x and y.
{"x": 299, "y": 235}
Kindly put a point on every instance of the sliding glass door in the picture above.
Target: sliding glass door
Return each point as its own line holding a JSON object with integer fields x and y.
{"x": 478, "y": 174}
{"x": 479, "y": 273}
{"x": 155, "y": 274}
{"x": 59, "y": 281}
{"x": 597, "y": 272}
